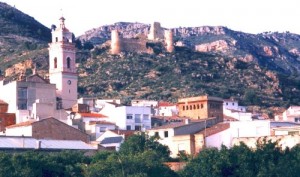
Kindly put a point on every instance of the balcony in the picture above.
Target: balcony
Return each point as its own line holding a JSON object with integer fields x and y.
{"x": 137, "y": 120}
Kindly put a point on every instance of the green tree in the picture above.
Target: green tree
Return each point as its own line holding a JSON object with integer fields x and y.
{"x": 141, "y": 143}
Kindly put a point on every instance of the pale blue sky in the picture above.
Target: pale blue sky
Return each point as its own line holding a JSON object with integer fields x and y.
{"x": 252, "y": 16}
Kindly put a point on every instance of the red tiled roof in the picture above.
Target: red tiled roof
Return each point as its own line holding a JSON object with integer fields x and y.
{"x": 22, "y": 124}
{"x": 100, "y": 122}
{"x": 160, "y": 104}
{"x": 124, "y": 132}
{"x": 95, "y": 115}
{"x": 215, "y": 129}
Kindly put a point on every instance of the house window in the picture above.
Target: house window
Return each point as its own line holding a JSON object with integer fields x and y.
{"x": 55, "y": 62}
{"x": 187, "y": 107}
{"x": 183, "y": 107}
{"x": 232, "y": 104}
{"x": 22, "y": 98}
{"x": 227, "y": 104}
{"x": 56, "y": 39}
{"x": 137, "y": 118}
{"x": 102, "y": 129}
{"x": 68, "y": 62}
{"x": 198, "y": 107}
{"x": 166, "y": 134}
{"x": 138, "y": 128}
{"x": 128, "y": 127}
{"x": 129, "y": 116}
{"x": 201, "y": 106}
{"x": 191, "y": 107}
{"x": 156, "y": 134}
{"x": 194, "y": 106}
{"x": 145, "y": 116}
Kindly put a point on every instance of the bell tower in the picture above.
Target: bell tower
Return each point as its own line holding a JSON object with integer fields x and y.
{"x": 62, "y": 69}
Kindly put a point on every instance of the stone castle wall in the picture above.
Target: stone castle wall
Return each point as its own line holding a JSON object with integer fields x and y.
{"x": 169, "y": 41}
{"x": 134, "y": 45}
{"x": 119, "y": 44}
{"x": 156, "y": 32}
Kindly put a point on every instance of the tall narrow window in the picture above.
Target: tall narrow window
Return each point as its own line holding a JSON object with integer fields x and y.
{"x": 68, "y": 62}
{"x": 55, "y": 62}
{"x": 22, "y": 98}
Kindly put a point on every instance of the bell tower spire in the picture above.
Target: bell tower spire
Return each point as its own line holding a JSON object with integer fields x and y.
{"x": 62, "y": 69}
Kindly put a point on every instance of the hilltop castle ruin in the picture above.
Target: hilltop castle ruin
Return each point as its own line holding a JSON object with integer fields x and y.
{"x": 139, "y": 44}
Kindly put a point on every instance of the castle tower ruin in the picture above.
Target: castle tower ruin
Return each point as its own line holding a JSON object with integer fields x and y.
{"x": 115, "y": 42}
{"x": 156, "y": 32}
{"x": 169, "y": 41}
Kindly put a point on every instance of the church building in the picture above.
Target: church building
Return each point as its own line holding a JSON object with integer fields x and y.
{"x": 34, "y": 98}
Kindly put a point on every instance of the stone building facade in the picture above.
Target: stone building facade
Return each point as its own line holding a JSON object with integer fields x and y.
{"x": 201, "y": 107}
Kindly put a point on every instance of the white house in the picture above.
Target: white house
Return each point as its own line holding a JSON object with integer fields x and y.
{"x": 182, "y": 136}
{"x": 95, "y": 104}
{"x": 232, "y": 109}
{"x": 128, "y": 117}
{"x": 97, "y": 128}
{"x": 292, "y": 114}
{"x": 233, "y": 105}
{"x": 167, "y": 109}
{"x": 148, "y": 103}
{"x": 237, "y": 130}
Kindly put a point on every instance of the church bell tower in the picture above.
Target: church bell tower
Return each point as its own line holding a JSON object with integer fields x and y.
{"x": 62, "y": 69}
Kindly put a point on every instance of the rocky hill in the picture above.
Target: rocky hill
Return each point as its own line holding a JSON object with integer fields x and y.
{"x": 169, "y": 76}
{"x": 275, "y": 51}
{"x": 260, "y": 69}
{"x": 21, "y": 38}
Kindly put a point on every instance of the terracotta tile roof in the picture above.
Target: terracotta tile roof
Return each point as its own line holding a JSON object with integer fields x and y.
{"x": 101, "y": 122}
{"x": 160, "y": 104}
{"x": 95, "y": 115}
{"x": 22, "y": 124}
{"x": 124, "y": 132}
{"x": 215, "y": 129}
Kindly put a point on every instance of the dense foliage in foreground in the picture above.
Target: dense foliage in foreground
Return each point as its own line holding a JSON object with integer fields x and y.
{"x": 142, "y": 157}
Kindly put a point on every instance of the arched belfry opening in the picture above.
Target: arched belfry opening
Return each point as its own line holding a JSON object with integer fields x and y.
{"x": 55, "y": 62}
{"x": 68, "y": 62}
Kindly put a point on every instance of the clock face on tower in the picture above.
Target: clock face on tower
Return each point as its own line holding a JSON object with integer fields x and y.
{"x": 69, "y": 82}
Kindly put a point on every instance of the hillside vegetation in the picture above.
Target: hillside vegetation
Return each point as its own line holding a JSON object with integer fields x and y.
{"x": 260, "y": 69}
{"x": 21, "y": 38}
{"x": 168, "y": 76}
